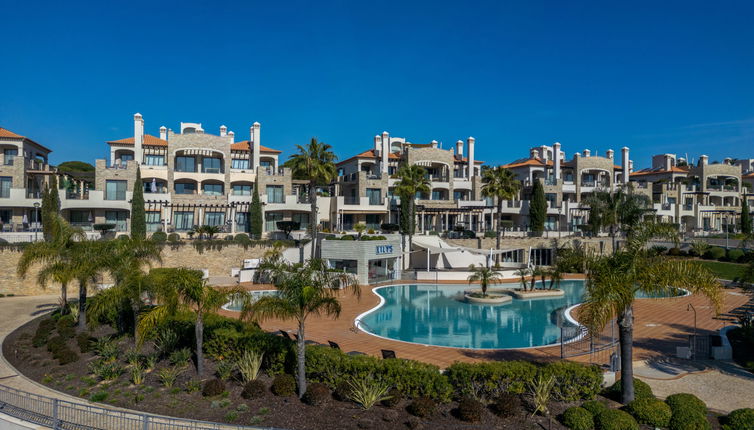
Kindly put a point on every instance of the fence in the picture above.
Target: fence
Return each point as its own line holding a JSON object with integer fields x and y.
{"x": 62, "y": 414}
{"x": 576, "y": 341}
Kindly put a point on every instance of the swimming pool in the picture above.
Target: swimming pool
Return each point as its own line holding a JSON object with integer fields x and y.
{"x": 436, "y": 315}
{"x": 236, "y": 304}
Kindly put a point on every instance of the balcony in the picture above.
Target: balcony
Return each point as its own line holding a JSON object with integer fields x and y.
{"x": 363, "y": 203}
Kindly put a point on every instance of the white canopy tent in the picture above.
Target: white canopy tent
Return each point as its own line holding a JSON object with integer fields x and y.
{"x": 442, "y": 256}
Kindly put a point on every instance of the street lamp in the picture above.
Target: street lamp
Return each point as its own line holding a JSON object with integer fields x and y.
{"x": 36, "y": 218}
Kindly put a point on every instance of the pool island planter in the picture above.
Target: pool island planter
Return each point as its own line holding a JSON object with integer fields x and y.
{"x": 535, "y": 294}
{"x": 493, "y": 297}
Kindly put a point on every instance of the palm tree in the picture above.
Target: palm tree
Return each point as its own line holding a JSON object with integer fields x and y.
{"x": 614, "y": 280}
{"x": 413, "y": 180}
{"x": 314, "y": 162}
{"x": 485, "y": 276}
{"x": 89, "y": 259}
{"x": 303, "y": 290}
{"x": 621, "y": 210}
{"x": 55, "y": 255}
{"x": 183, "y": 289}
{"x": 501, "y": 184}
{"x": 523, "y": 273}
{"x": 555, "y": 275}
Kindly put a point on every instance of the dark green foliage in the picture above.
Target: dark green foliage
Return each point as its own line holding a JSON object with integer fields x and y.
{"x": 138, "y": 215}
{"x": 740, "y": 419}
{"x": 242, "y": 238}
{"x": 287, "y": 227}
{"x": 652, "y": 412}
{"x": 507, "y": 405}
{"x": 489, "y": 380}
{"x": 55, "y": 344}
{"x": 174, "y": 238}
{"x": 714, "y": 253}
{"x": 674, "y": 252}
{"x": 50, "y": 207}
{"x": 159, "y": 236}
{"x": 745, "y": 217}
{"x": 65, "y": 356}
{"x": 75, "y": 167}
{"x": 84, "y": 342}
{"x": 99, "y": 396}
{"x": 394, "y": 396}
{"x": 686, "y": 418}
{"x": 615, "y": 419}
{"x": 256, "y": 221}
{"x": 368, "y": 238}
{"x": 342, "y": 390}
{"x": 470, "y": 410}
{"x": 347, "y": 237}
{"x": 735, "y": 255}
{"x": 253, "y": 389}
{"x": 537, "y": 208}
{"x": 227, "y": 338}
{"x": 577, "y": 418}
{"x": 333, "y": 367}
{"x": 65, "y": 327}
{"x": 641, "y": 390}
{"x": 574, "y": 381}
{"x": 407, "y": 225}
{"x": 213, "y": 387}
{"x": 422, "y": 407}
{"x": 44, "y": 329}
{"x": 389, "y": 228}
{"x": 316, "y": 394}
{"x": 686, "y": 401}
{"x": 283, "y": 385}
{"x": 596, "y": 407}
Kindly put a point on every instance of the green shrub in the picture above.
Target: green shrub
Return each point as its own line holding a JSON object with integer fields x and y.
{"x": 470, "y": 410}
{"x": 65, "y": 327}
{"x": 714, "y": 253}
{"x": 253, "y": 389}
{"x": 422, "y": 407}
{"x": 228, "y": 340}
{"x": 577, "y": 418}
{"x": 686, "y": 401}
{"x": 55, "y": 344}
{"x": 242, "y": 238}
{"x": 347, "y": 237}
{"x": 283, "y": 385}
{"x": 65, "y": 356}
{"x": 394, "y": 396}
{"x": 490, "y": 234}
{"x": 574, "y": 381}
{"x": 615, "y": 419}
{"x": 84, "y": 342}
{"x": 674, "y": 251}
{"x": 44, "y": 329}
{"x": 735, "y": 255}
{"x": 180, "y": 357}
{"x": 316, "y": 394}
{"x": 507, "y": 405}
{"x": 489, "y": 380}
{"x": 652, "y": 412}
{"x": 174, "y": 238}
{"x": 688, "y": 418}
{"x": 213, "y": 387}
{"x": 332, "y": 367}
{"x": 641, "y": 390}
{"x": 596, "y": 407}
{"x": 740, "y": 419}
{"x": 99, "y": 396}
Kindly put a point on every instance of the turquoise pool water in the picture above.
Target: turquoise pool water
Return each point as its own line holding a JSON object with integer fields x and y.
{"x": 436, "y": 315}
{"x": 236, "y": 303}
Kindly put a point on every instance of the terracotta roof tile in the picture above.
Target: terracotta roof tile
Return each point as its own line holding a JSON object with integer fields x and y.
{"x": 4, "y": 132}
{"x": 462, "y": 159}
{"x": 651, "y": 171}
{"x": 245, "y": 145}
{"x": 149, "y": 140}
{"x": 370, "y": 154}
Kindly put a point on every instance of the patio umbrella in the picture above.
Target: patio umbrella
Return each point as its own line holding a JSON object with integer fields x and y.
{"x": 89, "y": 218}
{"x": 153, "y": 188}
{"x": 25, "y": 220}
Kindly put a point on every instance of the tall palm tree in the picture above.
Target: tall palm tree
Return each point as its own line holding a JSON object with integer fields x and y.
{"x": 485, "y": 276}
{"x": 303, "y": 290}
{"x": 89, "y": 259}
{"x": 522, "y": 273}
{"x": 55, "y": 255}
{"x": 412, "y": 180}
{"x": 501, "y": 184}
{"x": 183, "y": 289}
{"x": 614, "y": 280}
{"x": 621, "y": 210}
{"x": 314, "y": 162}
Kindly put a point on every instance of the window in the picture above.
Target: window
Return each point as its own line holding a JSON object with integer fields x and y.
{"x": 242, "y": 222}
{"x": 118, "y": 218}
{"x": 80, "y": 217}
{"x": 241, "y": 190}
{"x": 239, "y": 163}
{"x": 124, "y": 158}
{"x": 153, "y": 219}
{"x": 184, "y": 220}
{"x": 375, "y": 196}
{"x": 212, "y": 189}
{"x": 271, "y": 219}
{"x": 438, "y": 195}
{"x": 372, "y": 221}
{"x": 265, "y": 163}
{"x": 185, "y": 164}
{"x": 154, "y": 186}
{"x": 115, "y": 190}
{"x": 10, "y": 154}
{"x": 154, "y": 160}
{"x": 275, "y": 194}
{"x": 211, "y": 165}
{"x": 5, "y": 184}
{"x": 458, "y": 195}
{"x": 214, "y": 218}
{"x": 302, "y": 219}
{"x": 5, "y": 216}
{"x": 185, "y": 188}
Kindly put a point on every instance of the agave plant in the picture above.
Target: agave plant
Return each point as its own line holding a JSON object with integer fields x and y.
{"x": 249, "y": 364}
{"x": 366, "y": 392}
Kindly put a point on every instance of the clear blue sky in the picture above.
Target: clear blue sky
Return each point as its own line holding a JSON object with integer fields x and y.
{"x": 657, "y": 76}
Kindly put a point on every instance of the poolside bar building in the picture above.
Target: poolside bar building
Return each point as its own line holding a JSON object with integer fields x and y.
{"x": 372, "y": 261}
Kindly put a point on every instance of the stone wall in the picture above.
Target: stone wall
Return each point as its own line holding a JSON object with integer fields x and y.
{"x": 218, "y": 262}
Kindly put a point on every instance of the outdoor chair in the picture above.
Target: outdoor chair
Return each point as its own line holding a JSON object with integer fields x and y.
{"x": 286, "y": 335}
{"x": 387, "y": 353}
{"x": 334, "y": 345}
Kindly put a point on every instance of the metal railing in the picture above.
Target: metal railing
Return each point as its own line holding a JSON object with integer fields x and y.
{"x": 62, "y": 414}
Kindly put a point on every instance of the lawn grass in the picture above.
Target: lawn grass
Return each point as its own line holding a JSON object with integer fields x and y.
{"x": 724, "y": 270}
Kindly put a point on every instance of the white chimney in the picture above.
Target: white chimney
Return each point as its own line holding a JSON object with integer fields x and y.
{"x": 626, "y": 164}
{"x": 587, "y": 153}
{"x": 470, "y": 143}
{"x": 668, "y": 162}
{"x": 256, "y": 143}
{"x": 556, "y": 160}
{"x": 138, "y": 138}
{"x": 610, "y": 154}
{"x": 223, "y": 131}
{"x": 163, "y": 133}
{"x": 385, "y": 139}
{"x": 433, "y": 143}
{"x": 232, "y": 137}
{"x": 377, "y": 143}
{"x": 543, "y": 152}
{"x": 459, "y": 148}
{"x": 703, "y": 160}
{"x": 534, "y": 153}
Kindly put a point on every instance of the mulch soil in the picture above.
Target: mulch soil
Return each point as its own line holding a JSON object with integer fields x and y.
{"x": 268, "y": 411}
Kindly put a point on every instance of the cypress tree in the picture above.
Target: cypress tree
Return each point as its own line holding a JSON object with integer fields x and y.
{"x": 537, "y": 209}
{"x": 138, "y": 216}
{"x": 54, "y": 196}
{"x": 50, "y": 208}
{"x": 406, "y": 222}
{"x": 44, "y": 213}
{"x": 255, "y": 215}
{"x": 745, "y": 217}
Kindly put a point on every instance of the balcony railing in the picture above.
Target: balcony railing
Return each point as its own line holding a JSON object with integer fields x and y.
{"x": 351, "y": 200}
{"x": 76, "y": 196}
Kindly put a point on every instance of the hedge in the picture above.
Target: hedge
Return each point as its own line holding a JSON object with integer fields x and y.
{"x": 641, "y": 390}
{"x": 413, "y": 378}
{"x": 714, "y": 253}
{"x": 577, "y": 418}
{"x": 652, "y": 412}
{"x": 740, "y": 419}
{"x": 615, "y": 419}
